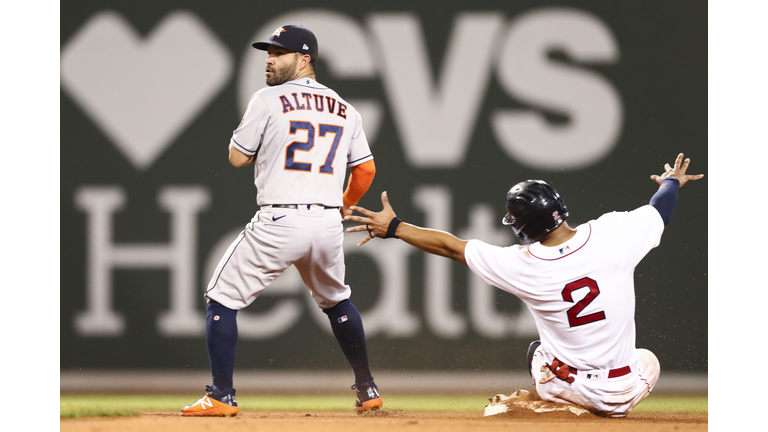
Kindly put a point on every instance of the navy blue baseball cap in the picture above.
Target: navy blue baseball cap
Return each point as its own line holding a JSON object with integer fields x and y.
{"x": 293, "y": 37}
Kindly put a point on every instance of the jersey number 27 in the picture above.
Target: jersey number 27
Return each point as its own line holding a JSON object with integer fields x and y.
{"x": 290, "y": 152}
{"x": 573, "y": 313}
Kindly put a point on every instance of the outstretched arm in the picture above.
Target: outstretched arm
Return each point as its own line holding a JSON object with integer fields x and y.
{"x": 665, "y": 199}
{"x": 386, "y": 224}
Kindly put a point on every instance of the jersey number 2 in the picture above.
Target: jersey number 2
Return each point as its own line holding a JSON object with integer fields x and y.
{"x": 573, "y": 313}
{"x": 292, "y": 164}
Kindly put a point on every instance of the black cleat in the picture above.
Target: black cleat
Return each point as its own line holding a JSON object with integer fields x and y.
{"x": 368, "y": 397}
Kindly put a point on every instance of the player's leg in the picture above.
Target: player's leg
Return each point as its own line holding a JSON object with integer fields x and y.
{"x": 647, "y": 374}
{"x": 539, "y": 357}
{"x": 245, "y": 269}
{"x": 322, "y": 271}
{"x": 649, "y": 370}
{"x": 548, "y": 388}
{"x": 221, "y": 339}
{"x": 348, "y": 329}
{"x": 649, "y": 367}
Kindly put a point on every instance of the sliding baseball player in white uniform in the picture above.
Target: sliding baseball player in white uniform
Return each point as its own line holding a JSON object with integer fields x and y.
{"x": 577, "y": 283}
{"x": 301, "y": 137}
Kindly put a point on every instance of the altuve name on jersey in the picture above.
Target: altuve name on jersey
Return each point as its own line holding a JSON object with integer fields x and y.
{"x": 313, "y": 102}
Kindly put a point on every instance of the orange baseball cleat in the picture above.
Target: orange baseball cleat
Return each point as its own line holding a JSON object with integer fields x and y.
{"x": 215, "y": 403}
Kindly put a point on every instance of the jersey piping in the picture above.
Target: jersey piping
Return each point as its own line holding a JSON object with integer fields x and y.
{"x": 225, "y": 264}
{"x": 370, "y": 156}
{"x": 241, "y": 148}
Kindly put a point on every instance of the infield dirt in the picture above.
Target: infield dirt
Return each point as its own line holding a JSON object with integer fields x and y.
{"x": 390, "y": 420}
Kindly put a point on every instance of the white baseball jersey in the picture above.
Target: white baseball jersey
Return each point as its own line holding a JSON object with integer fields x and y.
{"x": 304, "y": 136}
{"x": 582, "y": 296}
{"x": 580, "y": 293}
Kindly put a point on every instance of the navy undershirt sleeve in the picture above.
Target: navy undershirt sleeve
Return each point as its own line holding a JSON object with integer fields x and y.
{"x": 665, "y": 199}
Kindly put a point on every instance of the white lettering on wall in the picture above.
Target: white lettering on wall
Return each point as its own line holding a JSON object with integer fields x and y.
{"x": 283, "y": 316}
{"x": 390, "y": 315}
{"x": 590, "y": 102}
{"x": 178, "y": 256}
{"x": 127, "y": 86}
{"x": 436, "y": 119}
{"x": 435, "y": 202}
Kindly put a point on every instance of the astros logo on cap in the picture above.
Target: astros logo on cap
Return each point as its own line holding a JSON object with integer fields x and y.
{"x": 278, "y": 31}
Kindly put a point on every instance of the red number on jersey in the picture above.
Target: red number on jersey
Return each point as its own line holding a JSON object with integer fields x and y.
{"x": 573, "y": 319}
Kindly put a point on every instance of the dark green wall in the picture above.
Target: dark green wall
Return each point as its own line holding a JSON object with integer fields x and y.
{"x": 658, "y": 75}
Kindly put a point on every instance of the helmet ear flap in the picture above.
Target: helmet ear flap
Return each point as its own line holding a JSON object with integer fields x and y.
{"x": 517, "y": 217}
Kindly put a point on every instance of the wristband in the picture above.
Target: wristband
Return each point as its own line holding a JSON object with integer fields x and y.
{"x": 392, "y": 229}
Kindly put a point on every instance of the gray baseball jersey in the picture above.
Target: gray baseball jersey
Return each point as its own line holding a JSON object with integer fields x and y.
{"x": 304, "y": 137}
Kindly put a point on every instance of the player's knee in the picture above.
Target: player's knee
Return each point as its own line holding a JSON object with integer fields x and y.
{"x": 649, "y": 366}
{"x": 648, "y": 358}
{"x": 216, "y": 309}
{"x": 344, "y": 304}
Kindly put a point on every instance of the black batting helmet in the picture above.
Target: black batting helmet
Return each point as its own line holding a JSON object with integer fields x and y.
{"x": 533, "y": 210}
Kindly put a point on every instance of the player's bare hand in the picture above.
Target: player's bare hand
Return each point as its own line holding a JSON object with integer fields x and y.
{"x": 345, "y": 211}
{"x": 678, "y": 171}
{"x": 376, "y": 224}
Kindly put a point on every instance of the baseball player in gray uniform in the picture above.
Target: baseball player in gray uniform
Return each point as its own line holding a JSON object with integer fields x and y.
{"x": 301, "y": 137}
{"x": 577, "y": 283}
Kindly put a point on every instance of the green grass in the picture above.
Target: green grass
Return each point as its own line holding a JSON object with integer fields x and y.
{"x": 132, "y": 405}
{"x": 674, "y": 404}
{"x": 96, "y": 408}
